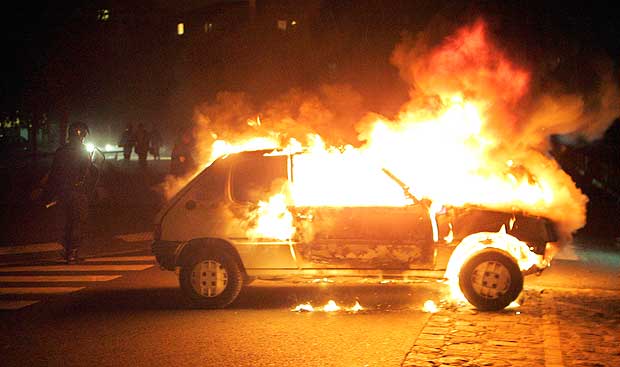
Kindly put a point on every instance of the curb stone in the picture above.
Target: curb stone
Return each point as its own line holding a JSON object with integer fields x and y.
{"x": 589, "y": 324}
{"x": 551, "y": 328}
{"x": 472, "y": 338}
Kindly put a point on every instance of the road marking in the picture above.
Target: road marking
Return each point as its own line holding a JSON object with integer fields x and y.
{"x": 28, "y": 249}
{"x": 7, "y": 279}
{"x": 7, "y": 305}
{"x": 551, "y": 333}
{"x": 121, "y": 259}
{"x": 136, "y": 237}
{"x": 56, "y": 278}
{"x": 38, "y": 290}
{"x": 72, "y": 267}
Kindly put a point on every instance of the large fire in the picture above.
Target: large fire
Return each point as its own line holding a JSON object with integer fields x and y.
{"x": 470, "y": 134}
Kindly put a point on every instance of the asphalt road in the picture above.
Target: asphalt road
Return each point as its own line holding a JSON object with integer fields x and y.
{"x": 588, "y": 266}
{"x": 141, "y": 319}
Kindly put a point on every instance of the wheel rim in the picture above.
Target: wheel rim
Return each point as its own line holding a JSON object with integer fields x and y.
{"x": 209, "y": 278}
{"x": 491, "y": 279}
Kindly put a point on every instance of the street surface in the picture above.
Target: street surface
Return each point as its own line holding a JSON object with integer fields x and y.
{"x": 123, "y": 310}
{"x": 118, "y": 308}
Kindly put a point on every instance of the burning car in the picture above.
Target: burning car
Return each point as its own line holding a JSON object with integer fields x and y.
{"x": 243, "y": 218}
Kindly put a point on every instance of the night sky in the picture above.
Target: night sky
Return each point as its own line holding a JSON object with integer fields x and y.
{"x": 58, "y": 56}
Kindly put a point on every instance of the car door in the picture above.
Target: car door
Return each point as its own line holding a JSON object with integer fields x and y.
{"x": 255, "y": 177}
{"x": 198, "y": 211}
{"x": 367, "y": 237}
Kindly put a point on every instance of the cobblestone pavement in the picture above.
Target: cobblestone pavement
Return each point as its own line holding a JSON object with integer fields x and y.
{"x": 551, "y": 328}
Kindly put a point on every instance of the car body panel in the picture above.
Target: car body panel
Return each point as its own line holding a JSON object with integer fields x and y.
{"x": 369, "y": 237}
{"x": 219, "y": 201}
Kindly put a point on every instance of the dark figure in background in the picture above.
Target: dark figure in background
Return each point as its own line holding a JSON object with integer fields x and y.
{"x": 181, "y": 159}
{"x": 67, "y": 184}
{"x": 155, "y": 142}
{"x": 142, "y": 144}
{"x": 127, "y": 141}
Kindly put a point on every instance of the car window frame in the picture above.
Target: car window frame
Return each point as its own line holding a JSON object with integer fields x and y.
{"x": 232, "y": 184}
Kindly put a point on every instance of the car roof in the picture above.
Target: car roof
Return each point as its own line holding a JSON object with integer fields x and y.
{"x": 255, "y": 153}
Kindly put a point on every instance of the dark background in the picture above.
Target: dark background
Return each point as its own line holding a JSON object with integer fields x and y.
{"x": 64, "y": 61}
{"x": 110, "y": 63}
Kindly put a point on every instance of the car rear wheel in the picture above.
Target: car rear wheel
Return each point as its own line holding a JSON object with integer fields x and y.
{"x": 490, "y": 280}
{"x": 212, "y": 279}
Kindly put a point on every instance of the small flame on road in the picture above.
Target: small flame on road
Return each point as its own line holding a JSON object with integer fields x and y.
{"x": 304, "y": 307}
{"x": 513, "y": 304}
{"x": 430, "y": 307}
{"x": 322, "y": 280}
{"x": 356, "y": 307}
{"x": 330, "y": 306}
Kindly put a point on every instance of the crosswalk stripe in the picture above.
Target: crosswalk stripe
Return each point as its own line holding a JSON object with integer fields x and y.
{"x": 136, "y": 237}
{"x": 73, "y": 267}
{"x": 28, "y": 249}
{"x": 9, "y": 305}
{"x": 121, "y": 259}
{"x": 55, "y": 278}
{"x": 38, "y": 290}
{"x": 113, "y": 264}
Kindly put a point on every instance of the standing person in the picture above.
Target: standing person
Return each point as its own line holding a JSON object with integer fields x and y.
{"x": 142, "y": 144}
{"x": 155, "y": 142}
{"x": 181, "y": 158}
{"x": 67, "y": 184}
{"x": 127, "y": 142}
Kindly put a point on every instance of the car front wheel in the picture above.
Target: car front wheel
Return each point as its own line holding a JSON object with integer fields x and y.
{"x": 490, "y": 280}
{"x": 213, "y": 279}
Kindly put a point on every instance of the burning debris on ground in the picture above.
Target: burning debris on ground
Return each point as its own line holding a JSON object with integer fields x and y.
{"x": 330, "y": 306}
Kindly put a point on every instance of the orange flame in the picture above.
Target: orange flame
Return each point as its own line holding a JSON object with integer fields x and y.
{"x": 469, "y": 134}
{"x": 273, "y": 219}
{"x": 330, "y": 306}
{"x": 430, "y": 307}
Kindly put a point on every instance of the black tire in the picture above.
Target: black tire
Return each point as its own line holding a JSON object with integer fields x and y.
{"x": 491, "y": 280}
{"x": 209, "y": 266}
